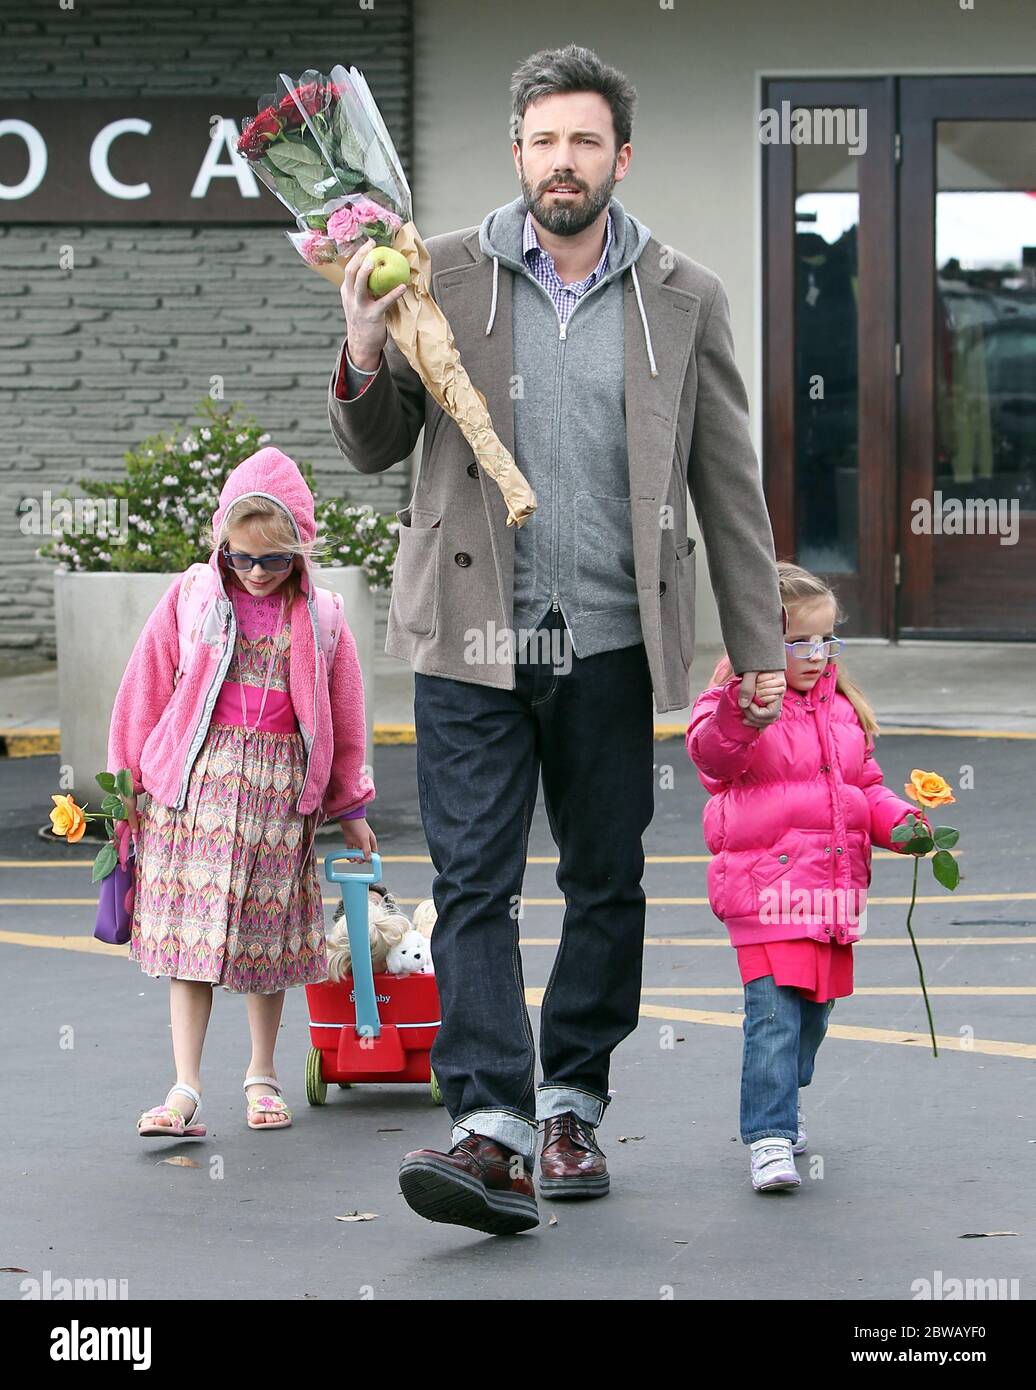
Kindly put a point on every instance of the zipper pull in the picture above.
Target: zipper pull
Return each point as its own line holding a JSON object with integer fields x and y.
{"x": 564, "y": 332}
{"x": 554, "y": 603}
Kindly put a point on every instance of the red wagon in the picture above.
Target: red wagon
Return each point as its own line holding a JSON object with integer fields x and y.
{"x": 366, "y": 1027}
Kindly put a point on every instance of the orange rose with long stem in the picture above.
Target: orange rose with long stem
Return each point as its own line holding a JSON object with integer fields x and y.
{"x": 918, "y": 837}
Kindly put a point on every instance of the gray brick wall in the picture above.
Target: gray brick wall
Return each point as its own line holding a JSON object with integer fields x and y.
{"x": 93, "y": 360}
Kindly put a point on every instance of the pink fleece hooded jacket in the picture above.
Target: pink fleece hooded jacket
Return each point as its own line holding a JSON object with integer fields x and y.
{"x": 158, "y": 727}
{"x": 793, "y": 806}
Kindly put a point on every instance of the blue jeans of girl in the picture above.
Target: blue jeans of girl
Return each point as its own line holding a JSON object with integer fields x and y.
{"x": 783, "y": 1030}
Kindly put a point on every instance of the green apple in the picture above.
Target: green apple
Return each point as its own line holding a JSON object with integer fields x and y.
{"x": 391, "y": 268}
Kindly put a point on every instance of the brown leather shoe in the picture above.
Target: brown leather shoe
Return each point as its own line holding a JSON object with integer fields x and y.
{"x": 472, "y": 1185}
{"x": 571, "y": 1163}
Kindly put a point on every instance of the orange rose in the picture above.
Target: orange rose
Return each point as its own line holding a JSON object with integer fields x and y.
{"x": 67, "y": 819}
{"x": 928, "y": 789}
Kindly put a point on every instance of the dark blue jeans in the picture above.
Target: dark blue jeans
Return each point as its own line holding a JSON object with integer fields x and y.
{"x": 480, "y": 752}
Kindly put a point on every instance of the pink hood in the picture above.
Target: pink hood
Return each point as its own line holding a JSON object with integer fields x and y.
{"x": 158, "y": 726}
{"x": 794, "y": 806}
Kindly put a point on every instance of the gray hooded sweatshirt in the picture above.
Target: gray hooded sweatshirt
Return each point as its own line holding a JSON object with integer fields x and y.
{"x": 576, "y": 551}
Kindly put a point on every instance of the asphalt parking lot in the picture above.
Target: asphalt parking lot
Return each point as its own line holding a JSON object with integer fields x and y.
{"x": 908, "y": 1153}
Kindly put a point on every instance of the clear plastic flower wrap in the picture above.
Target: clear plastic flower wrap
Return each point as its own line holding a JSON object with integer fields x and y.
{"x": 321, "y": 146}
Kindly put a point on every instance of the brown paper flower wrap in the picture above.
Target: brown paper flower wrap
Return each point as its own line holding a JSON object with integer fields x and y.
{"x": 420, "y": 330}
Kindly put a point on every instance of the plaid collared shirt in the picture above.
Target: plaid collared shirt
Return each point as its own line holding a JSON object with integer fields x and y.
{"x": 541, "y": 263}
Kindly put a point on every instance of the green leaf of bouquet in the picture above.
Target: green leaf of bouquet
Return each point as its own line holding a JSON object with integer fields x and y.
{"x": 946, "y": 837}
{"x": 945, "y": 869}
{"x": 901, "y": 833}
{"x": 104, "y": 863}
{"x": 920, "y": 844}
{"x": 348, "y": 143}
{"x": 124, "y": 781}
{"x": 110, "y": 804}
{"x": 106, "y": 780}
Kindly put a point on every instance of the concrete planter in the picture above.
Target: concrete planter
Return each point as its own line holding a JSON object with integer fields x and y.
{"x": 99, "y": 618}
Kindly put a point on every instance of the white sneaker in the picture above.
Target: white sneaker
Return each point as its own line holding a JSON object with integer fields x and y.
{"x": 802, "y": 1140}
{"x": 773, "y": 1166}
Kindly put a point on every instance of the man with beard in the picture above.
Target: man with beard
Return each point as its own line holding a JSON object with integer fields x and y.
{"x": 607, "y": 362}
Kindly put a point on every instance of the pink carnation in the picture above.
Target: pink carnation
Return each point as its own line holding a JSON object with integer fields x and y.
{"x": 348, "y": 223}
{"x": 317, "y": 249}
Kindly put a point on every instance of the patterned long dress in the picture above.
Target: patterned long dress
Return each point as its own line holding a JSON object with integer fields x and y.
{"x": 227, "y": 889}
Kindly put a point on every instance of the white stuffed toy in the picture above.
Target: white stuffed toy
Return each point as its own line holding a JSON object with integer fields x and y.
{"x": 412, "y": 956}
{"x": 424, "y": 917}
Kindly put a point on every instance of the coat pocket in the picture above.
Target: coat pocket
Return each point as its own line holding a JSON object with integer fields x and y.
{"x": 685, "y": 591}
{"x": 771, "y": 874}
{"x": 416, "y": 574}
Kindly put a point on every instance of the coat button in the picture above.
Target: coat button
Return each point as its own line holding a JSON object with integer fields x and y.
{"x": 661, "y": 588}
{"x": 826, "y": 767}
{"x": 823, "y": 698}
{"x": 838, "y": 849}
{"x": 827, "y": 849}
{"x": 462, "y": 558}
{"x": 782, "y": 858}
{"x": 472, "y": 470}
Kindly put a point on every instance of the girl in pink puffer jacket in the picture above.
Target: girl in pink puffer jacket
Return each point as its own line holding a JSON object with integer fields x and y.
{"x": 793, "y": 811}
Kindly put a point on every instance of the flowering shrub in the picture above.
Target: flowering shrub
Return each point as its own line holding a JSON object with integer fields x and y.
{"x": 171, "y": 491}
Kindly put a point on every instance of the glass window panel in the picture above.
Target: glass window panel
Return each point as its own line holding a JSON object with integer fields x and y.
{"x": 827, "y": 214}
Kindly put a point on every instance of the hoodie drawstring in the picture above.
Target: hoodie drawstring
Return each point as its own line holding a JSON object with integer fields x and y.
{"x": 492, "y": 307}
{"x": 640, "y": 305}
{"x": 644, "y": 322}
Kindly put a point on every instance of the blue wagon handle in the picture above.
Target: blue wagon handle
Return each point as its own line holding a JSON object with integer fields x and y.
{"x": 354, "y": 885}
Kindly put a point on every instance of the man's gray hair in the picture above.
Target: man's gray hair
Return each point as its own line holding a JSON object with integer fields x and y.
{"x": 572, "y": 69}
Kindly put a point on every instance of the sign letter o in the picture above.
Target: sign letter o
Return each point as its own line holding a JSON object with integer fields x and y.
{"x": 37, "y": 159}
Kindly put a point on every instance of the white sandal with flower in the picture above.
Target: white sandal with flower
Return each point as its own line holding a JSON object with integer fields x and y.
{"x": 178, "y": 1127}
{"x": 266, "y": 1105}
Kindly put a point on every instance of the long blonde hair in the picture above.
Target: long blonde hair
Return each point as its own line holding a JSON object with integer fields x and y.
{"x": 797, "y": 585}
{"x": 275, "y": 527}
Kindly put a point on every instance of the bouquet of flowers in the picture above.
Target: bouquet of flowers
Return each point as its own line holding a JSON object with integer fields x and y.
{"x": 321, "y": 146}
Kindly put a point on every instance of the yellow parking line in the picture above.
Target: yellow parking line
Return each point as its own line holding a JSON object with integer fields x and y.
{"x": 952, "y": 1042}
{"x": 534, "y": 997}
{"x": 89, "y": 944}
{"x": 1008, "y": 990}
{"x": 550, "y": 859}
{"x": 903, "y": 940}
{"x": 940, "y": 899}
{"x": 680, "y": 731}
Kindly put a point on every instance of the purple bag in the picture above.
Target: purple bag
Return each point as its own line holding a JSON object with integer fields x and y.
{"x": 115, "y": 906}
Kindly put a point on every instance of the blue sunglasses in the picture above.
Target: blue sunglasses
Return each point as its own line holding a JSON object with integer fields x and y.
{"x": 276, "y": 564}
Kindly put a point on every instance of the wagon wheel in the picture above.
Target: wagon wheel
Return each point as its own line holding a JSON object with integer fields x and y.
{"x": 436, "y": 1093}
{"x": 316, "y": 1086}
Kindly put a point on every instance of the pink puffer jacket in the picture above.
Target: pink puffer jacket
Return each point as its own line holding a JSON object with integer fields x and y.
{"x": 794, "y": 806}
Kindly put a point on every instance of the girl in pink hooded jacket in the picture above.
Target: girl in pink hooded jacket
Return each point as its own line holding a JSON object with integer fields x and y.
{"x": 243, "y": 753}
{"x": 793, "y": 812}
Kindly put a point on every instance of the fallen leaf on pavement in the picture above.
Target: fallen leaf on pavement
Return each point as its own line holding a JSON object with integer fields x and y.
{"x": 626, "y": 1138}
{"x": 358, "y": 1216}
{"x": 981, "y": 1235}
{"x": 180, "y": 1161}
